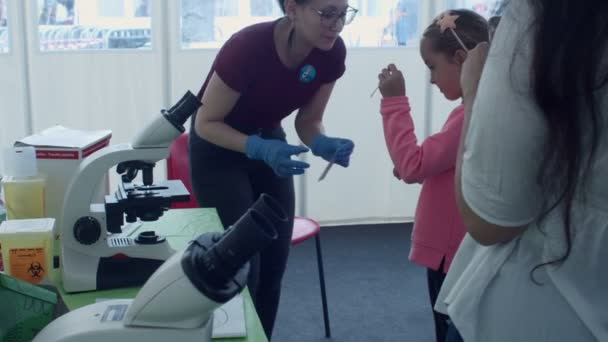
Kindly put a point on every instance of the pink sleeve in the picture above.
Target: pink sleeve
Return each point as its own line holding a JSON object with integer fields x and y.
{"x": 415, "y": 162}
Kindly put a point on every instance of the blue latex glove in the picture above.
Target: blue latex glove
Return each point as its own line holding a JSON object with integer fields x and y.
{"x": 277, "y": 154}
{"x": 337, "y": 150}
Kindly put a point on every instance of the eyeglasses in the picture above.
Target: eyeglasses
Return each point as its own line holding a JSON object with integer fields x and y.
{"x": 329, "y": 17}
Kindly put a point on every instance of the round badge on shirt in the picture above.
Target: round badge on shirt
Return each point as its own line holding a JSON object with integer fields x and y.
{"x": 307, "y": 73}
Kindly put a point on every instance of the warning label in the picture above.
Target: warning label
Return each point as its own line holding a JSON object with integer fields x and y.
{"x": 28, "y": 264}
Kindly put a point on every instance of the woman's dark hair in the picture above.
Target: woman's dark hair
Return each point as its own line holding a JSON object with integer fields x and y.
{"x": 499, "y": 7}
{"x": 493, "y": 25}
{"x": 471, "y": 27}
{"x": 568, "y": 68}
{"x": 299, "y": 2}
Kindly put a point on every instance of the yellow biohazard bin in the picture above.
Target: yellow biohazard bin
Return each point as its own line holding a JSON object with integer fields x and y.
{"x": 27, "y": 249}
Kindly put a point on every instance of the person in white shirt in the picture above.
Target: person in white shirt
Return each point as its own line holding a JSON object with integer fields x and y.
{"x": 531, "y": 184}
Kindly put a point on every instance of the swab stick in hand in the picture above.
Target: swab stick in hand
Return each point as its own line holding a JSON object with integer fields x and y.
{"x": 327, "y": 168}
{"x": 375, "y": 90}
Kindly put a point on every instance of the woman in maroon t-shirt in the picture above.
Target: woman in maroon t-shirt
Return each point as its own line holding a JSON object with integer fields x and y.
{"x": 237, "y": 146}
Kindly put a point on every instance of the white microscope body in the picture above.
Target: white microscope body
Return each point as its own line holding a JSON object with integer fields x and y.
{"x": 177, "y": 302}
{"x": 94, "y": 252}
{"x": 178, "y": 305}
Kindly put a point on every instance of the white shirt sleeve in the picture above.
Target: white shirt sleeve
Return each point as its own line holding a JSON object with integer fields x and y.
{"x": 504, "y": 143}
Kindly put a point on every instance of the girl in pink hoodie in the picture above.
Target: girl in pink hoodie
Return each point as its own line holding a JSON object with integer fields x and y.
{"x": 438, "y": 228}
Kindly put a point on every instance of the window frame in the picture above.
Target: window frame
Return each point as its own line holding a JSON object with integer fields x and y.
{"x": 246, "y": 15}
{"x": 5, "y": 30}
{"x": 148, "y": 47}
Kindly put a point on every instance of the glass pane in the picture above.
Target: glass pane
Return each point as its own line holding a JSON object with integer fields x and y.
{"x": 486, "y": 8}
{"x": 208, "y": 24}
{"x": 94, "y": 24}
{"x": 383, "y": 23}
{"x": 265, "y": 8}
{"x": 374, "y": 8}
{"x": 111, "y": 8}
{"x": 3, "y": 28}
{"x": 2, "y": 13}
{"x": 142, "y": 8}
{"x": 226, "y": 8}
{"x": 198, "y": 24}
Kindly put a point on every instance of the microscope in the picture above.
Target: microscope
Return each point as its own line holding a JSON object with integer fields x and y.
{"x": 178, "y": 301}
{"x": 95, "y": 254}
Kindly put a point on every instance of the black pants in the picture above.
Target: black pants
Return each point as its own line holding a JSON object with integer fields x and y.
{"x": 230, "y": 182}
{"x": 435, "y": 280}
{"x": 453, "y": 335}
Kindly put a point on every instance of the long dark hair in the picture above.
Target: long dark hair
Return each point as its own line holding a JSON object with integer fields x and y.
{"x": 570, "y": 41}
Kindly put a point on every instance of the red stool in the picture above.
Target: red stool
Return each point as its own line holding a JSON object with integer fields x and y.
{"x": 178, "y": 167}
{"x": 303, "y": 229}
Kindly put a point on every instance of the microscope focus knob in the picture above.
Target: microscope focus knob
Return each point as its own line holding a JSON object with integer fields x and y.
{"x": 87, "y": 230}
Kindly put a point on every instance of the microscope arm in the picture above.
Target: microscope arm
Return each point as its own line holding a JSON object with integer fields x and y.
{"x": 187, "y": 288}
{"x": 150, "y": 145}
{"x": 82, "y": 190}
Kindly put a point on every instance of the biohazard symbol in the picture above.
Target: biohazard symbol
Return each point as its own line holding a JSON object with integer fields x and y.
{"x": 35, "y": 270}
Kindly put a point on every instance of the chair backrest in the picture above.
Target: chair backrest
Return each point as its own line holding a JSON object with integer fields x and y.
{"x": 178, "y": 167}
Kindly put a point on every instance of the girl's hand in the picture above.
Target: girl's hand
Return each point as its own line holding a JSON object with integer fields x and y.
{"x": 391, "y": 82}
{"x": 471, "y": 70}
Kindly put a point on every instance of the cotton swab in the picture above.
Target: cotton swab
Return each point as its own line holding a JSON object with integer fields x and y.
{"x": 327, "y": 168}
{"x": 375, "y": 90}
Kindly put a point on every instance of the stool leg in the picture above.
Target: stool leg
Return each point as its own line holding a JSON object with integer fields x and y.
{"x": 322, "y": 285}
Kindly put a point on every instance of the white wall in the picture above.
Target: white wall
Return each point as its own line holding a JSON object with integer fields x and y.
{"x": 122, "y": 90}
{"x": 366, "y": 191}
{"x": 14, "y": 111}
